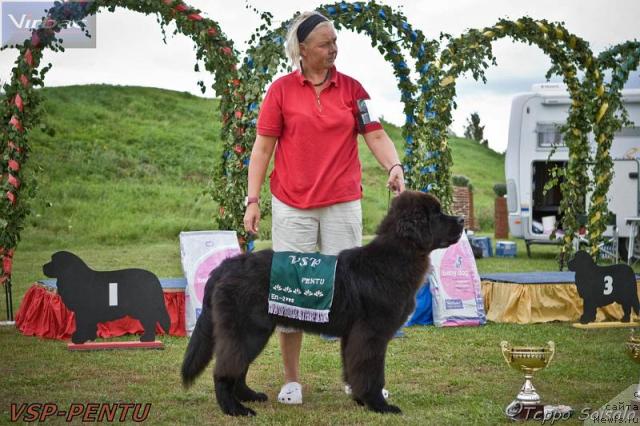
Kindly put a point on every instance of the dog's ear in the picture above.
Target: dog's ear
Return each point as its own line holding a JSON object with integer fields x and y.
{"x": 416, "y": 227}
{"x": 408, "y": 218}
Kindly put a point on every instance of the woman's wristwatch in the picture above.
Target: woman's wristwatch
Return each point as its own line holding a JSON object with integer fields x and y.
{"x": 249, "y": 200}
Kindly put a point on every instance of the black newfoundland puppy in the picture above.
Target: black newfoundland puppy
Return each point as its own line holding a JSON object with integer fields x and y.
{"x": 603, "y": 285}
{"x": 374, "y": 293}
{"x": 86, "y": 293}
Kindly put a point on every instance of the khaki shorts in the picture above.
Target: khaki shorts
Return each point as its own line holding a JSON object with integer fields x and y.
{"x": 328, "y": 229}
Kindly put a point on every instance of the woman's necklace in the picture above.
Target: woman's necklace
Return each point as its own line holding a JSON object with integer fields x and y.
{"x": 326, "y": 77}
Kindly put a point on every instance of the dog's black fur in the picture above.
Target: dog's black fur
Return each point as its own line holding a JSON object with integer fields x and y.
{"x": 374, "y": 293}
{"x": 86, "y": 293}
{"x": 591, "y": 280}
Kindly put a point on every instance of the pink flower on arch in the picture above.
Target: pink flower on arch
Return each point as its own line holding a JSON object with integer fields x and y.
{"x": 12, "y": 197}
{"x": 35, "y": 39}
{"x": 15, "y": 122}
{"x": 18, "y": 102}
{"x": 13, "y": 181}
{"x": 28, "y": 57}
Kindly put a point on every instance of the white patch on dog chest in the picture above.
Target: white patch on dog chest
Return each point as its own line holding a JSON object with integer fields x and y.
{"x": 113, "y": 294}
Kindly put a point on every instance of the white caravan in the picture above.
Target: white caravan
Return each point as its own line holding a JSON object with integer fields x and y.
{"x": 533, "y": 131}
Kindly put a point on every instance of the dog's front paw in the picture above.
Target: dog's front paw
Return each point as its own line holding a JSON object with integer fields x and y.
{"x": 252, "y": 397}
{"x": 240, "y": 410}
{"x": 388, "y": 408}
{"x": 78, "y": 339}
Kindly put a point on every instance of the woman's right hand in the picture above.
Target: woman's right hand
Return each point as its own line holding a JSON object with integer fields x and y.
{"x": 252, "y": 218}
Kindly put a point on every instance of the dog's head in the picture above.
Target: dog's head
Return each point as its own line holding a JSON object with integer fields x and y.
{"x": 69, "y": 270}
{"x": 581, "y": 260}
{"x": 63, "y": 263}
{"x": 418, "y": 218}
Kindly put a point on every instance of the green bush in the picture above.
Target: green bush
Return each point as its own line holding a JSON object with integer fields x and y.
{"x": 460, "y": 181}
{"x": 500, "y": 189}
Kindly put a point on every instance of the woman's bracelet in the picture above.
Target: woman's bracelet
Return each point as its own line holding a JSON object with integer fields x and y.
{"x": 395, "y": 165}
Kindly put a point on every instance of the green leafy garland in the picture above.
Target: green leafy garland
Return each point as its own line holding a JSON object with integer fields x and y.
{"x": 621, "y": 60}
{"x": 21, "y": 110}
{"x": 471, "y": 51}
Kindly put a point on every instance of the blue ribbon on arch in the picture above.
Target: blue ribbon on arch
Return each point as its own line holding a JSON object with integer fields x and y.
{"x": 409, "y": 119}
{"x": 427, "y": 188}
{"x": 428, "y": 169}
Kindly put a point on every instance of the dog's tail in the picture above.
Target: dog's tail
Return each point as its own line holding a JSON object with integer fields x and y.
{"x": 202, "y": 343}
{"x": 200, "y": 349}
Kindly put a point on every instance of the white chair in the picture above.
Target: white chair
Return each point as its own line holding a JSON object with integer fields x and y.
{"x": 633, "y": 249}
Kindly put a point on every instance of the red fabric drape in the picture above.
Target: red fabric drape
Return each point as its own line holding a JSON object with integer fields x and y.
{"x": 43, "y": 314}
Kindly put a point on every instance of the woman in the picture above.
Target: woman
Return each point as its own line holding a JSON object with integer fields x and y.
{"x": 311, "y": 118}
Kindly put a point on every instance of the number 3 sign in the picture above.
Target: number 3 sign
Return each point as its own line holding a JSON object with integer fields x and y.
{"x": 602, "y": 285}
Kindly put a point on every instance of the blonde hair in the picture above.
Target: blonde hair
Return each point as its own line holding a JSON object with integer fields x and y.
{"x": 292, "y": 44}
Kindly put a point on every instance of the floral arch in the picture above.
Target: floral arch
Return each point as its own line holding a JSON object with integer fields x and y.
{"x": 589, "y": 110}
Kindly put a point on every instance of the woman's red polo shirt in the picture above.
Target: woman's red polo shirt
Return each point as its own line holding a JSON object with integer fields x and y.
{"x": 316, "y": 157}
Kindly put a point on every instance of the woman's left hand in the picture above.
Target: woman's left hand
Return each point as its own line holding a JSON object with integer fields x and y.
{"x": 395, "y": 182}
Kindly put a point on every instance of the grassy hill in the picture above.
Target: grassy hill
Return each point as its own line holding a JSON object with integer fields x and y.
{"x": 130, "y": 164}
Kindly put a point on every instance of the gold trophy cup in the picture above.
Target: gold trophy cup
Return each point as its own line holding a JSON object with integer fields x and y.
{"x": 527, "y": 359}
{"x": 633, "y": 349}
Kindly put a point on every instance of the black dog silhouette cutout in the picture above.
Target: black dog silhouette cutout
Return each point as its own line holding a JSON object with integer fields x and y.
{"x": 96, "y": 296}
{"x": 602, "y": 285}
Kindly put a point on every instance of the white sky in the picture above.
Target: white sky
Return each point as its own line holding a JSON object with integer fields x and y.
{"x": 130, "y": 50}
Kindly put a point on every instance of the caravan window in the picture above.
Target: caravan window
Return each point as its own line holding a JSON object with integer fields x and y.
{"x": 549, "y": 135}
{"x": 628, "y": 132}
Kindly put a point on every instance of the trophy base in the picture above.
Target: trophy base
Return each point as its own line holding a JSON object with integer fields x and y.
{"x": 521, "y": 411}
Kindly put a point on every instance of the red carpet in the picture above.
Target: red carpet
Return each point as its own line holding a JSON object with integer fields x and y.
{"x": 43, "y": 314}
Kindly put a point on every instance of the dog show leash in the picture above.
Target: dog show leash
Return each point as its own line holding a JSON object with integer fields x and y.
{"x": 388, "y": 187}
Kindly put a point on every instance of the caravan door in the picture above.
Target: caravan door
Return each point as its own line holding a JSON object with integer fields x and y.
{"x": 623, "y": 193}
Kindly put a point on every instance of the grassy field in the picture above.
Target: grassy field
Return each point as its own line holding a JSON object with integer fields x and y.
{"x": 125, "y": 173}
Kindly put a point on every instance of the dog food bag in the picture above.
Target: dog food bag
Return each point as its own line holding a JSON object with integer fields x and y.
{"x": 201, "y": 252}
{"x": 455, "y": 286}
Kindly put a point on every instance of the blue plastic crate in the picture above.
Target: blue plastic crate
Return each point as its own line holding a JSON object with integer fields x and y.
{"x": 505, "y": 249}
